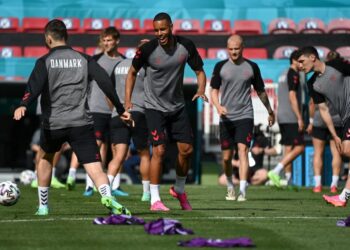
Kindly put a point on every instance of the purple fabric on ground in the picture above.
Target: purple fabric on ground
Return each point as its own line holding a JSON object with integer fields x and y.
{"x": 119, "y": 220}
{"x": 203, "y": 242}
{"x": 166, "y": 226}
{"x": 344, "y": 223}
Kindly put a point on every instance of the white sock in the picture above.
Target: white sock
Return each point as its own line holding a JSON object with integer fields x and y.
{"x": 89, "y": 182}
{"x": 145, "y": 185}
{"x": 72, "y": 173}
{"x": 242, "y": 186}
{"x": 53, "y": 172}
{"x": 43, "y": 194}
{"x": 116, "y": 182}
{"x": 229, "y": 182}
{"x": 278, "y": 168}
{"x": 154, "y": 193}
{"x": 110, "y": 179}
{"x": 345, "y": 194}
{"x": 335, "y": 179}
{"x": 288, "y": 176}
{"x": 317, "y": 179}
{"x": 180, "y": 184}
{"x": 105, "y": 190}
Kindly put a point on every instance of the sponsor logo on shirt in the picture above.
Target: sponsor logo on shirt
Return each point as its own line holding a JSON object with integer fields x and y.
{"x": 65, "y": 63}
{"x": 121, "y": 70}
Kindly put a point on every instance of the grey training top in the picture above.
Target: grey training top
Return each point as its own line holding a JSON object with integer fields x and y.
{"x": 234, "y": 82}
{"x": 119, "y": 75}
{"x": 97, "y": 100}
{"x": 290, "y": 82}
{"x": 165, "y": 72}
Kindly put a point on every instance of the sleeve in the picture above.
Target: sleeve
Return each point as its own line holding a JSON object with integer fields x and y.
{"x": 141, "y": 56}
{"x": 293, "y": 81}
{"x": 194, "y": 59}
{"x": 317, "y": 97}
{"x": 215, "y": 81}
{"x": 341, "y": 65}
{"x": 97, "y": 73}
{"x": 258, "y": 82}
{"x": 36, "y": 82}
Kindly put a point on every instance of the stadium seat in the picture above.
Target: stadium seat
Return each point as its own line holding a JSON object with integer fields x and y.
{"x": 95, "y": 25}
{"x": 217, "y": 27}
{"x": 255, "y": 53}
{"x": 79, "y": 49}
{"x": 72, "y": 24}
{"x": 34, "y": 51}
{"x": 282, "y": 26}
{"x": 13, "y": 78}
{"x": 283, "y": 52}
{"x": 9, "y": 24}
{"x": 34, "y": 24}
{"x": 127, "y": 52}
{"x": 187, "y": 26}
{"x": 217, "y": 53}
{"x": 322, "y": 51}
{"x": 247, "y": 27}
{"x": 148, "y": 26}
{"x": 91, "y": 50}
{"x": 268, "y": 80}
{"x": 128, "y": 26}
{"x": 202, "y": 52}
{"x": 344, "y": 51}
{"x": 10, "y": 51}
{"x": 311, "y": 26}
{"x": 340, "y": 25}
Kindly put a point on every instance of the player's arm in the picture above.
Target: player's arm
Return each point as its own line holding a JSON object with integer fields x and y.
{"x": 129, "y": 86}
{"x": 265, "y": 100}
{"x": 201, "y": 80}
{"x": 36, "y": 82}
{"x": 215, "y": 84}
{"x": 311, "y": 115}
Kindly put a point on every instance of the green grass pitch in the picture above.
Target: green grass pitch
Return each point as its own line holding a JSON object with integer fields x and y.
{"x": 273, "y": 219}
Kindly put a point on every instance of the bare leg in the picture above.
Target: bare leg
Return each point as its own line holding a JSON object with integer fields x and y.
{"x": 318, "y": 161}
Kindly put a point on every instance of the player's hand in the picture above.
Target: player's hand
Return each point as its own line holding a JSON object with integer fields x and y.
{"x": 338, "y": 144}
{"x": 300, "y": 125}
{"x": 271, "y": 119}
{"x": 128, "y": 106}
{"x": 126, "y": 117}
{"x": 200, "y": 95}
{"x": 19, "y": 113}
{"x": 222, "y": 110}
{"x": 309, "y": 129}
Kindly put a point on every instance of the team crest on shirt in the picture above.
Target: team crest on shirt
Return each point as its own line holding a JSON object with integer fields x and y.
{"x": 333, "y": 77}
{"x": 249, "y": 138}
{"x": 138, "y": 54}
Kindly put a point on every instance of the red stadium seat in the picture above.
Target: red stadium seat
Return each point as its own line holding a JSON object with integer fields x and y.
{"x": 311, "y": 26}
{"x": 72, "y": 24}
{"x": 268, "y": 80}
{"x": 247, "y": 27}
{"x": 9, "y": 24}
{"x": 283, "y": 52}
{"x": 344, "y": 51}
{"x": 202, "y": 52}
{"x": 217, "y": 53}
{"x": 214, "y": 27}
{"x": 95, "y": 25}
{"x": 79, "y": 49}
{"x": 340, "y": 25}
{"x": 127, "y": 52}
{"x": 92, "y": 50}
{"x": 255, "y": 53}
{"x": 13, "y": 78}
{"x": 35, "y": 51}
{"x": 187, "y": 26}
{"x": 128, "y": 26}
{"x": 10, "y": 51}
{"x": 322, "y": 51}
{"x": 148, "y": 26}
{"x": 282, "y": 26}
{"x": 34, "y": 24}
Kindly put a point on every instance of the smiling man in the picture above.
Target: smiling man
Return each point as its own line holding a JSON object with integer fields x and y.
{"x": 164, "y": 59}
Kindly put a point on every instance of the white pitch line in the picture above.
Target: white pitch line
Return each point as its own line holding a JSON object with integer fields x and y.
{"x": 185, "y": 218}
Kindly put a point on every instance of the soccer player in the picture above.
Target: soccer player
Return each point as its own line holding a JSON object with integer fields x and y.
{"x": 330, "y": 83}
{"x": 233, "y": 77}
{"x": 62, "y": 78}
{"x": 164, "y": 59}
{"x": 290, "y": 121}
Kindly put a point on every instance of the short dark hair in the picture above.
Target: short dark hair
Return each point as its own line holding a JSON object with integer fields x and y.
{"x": 162, "y": 16}
{"x": 307, "y": 51}
{"x": 57, "y": 30}
{"x": 333, "y": 55}
{"x": 294, "y": 56}
{"x": 110, "y": 31}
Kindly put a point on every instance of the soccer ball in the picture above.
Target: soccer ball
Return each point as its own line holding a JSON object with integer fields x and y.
{"x": 9, "y": 193}
{"x": 27, "y": 176}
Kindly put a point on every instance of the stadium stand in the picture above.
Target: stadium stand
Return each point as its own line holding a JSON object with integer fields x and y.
{"x": 72, "y": 24}
{"x": 34, "y": 24}
{"x": 91, "y": 50}
{"x": 217, "y": 53}
{"x": 255, "y": 53}
{"x": 311, "y": 26}
{"x": 202, "y": 52}
{"x": 127, "y": 52}
{"x": 34, "y": 51}
{"x": 10, "y": 51}
{"x": 9, "y": 24}
{"x": 282, "y": 26}
{"x": 339, "y": 25}
{"x": 128, "y": 25}
{"x": 217, "y": 27}
{"x": 148, "y": 26}
{"x": 77, "y": 48}
{"x": 247, "y": 27}
{"x": 95, "y": 25}
{"x": 283, "y": 52}
{"x": 344, "y": 51}
{"x": 322, "y": 51}
{"x": 187, "y": 26}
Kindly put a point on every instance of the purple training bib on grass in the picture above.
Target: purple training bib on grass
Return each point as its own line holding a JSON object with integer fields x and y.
{"x": 344, "y": 223}
{"x": 166, "y": 226}
{"x": 119, "y": 220}
{"x": 203, "y": 242}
